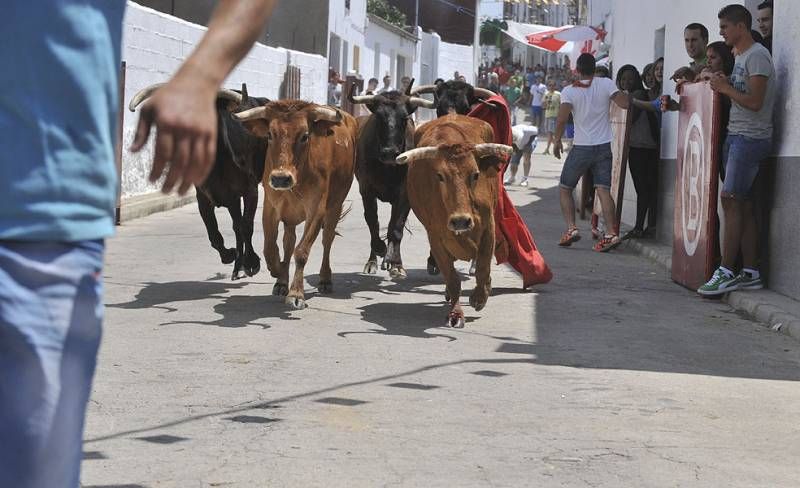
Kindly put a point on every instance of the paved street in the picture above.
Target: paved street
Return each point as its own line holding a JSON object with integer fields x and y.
{"x": 609, "y": 376}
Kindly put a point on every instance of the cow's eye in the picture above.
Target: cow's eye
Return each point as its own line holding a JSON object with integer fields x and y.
{"x": 475, "y": 176}
{"x": 304, "y": 138}
{"x": 441, "y": 178}
{"x": 270, "y": 136}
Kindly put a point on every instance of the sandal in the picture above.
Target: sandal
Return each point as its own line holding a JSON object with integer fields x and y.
{"x": 571, "y": 235}
{"x": 607, "y": 243}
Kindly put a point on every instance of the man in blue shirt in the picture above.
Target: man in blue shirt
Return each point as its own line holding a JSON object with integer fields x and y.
{"x": 58, "y": 113}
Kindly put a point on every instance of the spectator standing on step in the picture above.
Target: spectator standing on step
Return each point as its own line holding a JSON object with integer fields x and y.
{"x": 752, "y": 92}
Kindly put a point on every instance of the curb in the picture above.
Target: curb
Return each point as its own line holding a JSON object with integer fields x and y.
{"x": 144, "y": 205}
{"x": 759, "y": 305}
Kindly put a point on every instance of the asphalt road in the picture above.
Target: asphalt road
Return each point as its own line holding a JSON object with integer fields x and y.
{"x": 609, "y": 376}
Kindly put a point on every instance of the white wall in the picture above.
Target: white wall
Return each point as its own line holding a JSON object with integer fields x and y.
{"x": 633, "y": 33}
{"x": 350, "y": 26}
{"x": 456, "y": 57}
{"x": 787, "y": 62}
{"x": 391, "y": 44}
{"x": 155, "y": 44}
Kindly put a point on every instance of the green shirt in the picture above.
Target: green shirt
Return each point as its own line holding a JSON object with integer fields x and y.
{"x": 512, "y": 94}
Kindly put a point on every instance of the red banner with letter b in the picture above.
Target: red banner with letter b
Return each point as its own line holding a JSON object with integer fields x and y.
{"x": 696, "y": 186}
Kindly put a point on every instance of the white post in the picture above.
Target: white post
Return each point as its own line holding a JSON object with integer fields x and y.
{"x": 476, "y": 44}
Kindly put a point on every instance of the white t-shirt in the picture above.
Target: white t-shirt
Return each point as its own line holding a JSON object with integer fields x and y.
{"x": 590, "y": 108}
{"x": 522, "y": 134}
{"x": 538, "y": 92}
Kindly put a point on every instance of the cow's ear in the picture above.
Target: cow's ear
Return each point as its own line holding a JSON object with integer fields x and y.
{"x": 257, "y": 127}
{"x": 491, "y": 164}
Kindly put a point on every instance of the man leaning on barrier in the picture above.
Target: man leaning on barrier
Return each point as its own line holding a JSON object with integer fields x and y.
{"x": 749, "y": 141}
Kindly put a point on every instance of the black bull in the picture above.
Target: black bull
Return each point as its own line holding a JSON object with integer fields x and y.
{"x": 386, "y": 133}
{"x": 235, "y": 175}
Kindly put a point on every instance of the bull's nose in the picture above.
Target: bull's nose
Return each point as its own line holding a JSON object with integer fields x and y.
{"x": 461, "y": 223}
{"x": 281, "y": 182}
{"x": 388, "y": 155}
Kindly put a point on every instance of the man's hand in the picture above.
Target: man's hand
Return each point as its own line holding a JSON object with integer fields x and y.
{"x": 557, "y": 148}
{"x": 186, "y": 133}
{"x": 719, "y": 83}
{"x": 183, "y": 110}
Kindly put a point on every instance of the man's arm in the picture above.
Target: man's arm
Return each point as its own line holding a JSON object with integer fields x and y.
{"x": 183, "y": 110}
{"x": 751, "y": 101}
{"x": 622, "y": 99}
{"x": 563, "y": 116}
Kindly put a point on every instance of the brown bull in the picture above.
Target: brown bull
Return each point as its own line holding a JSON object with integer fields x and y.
{"x": 452, "y": 187}
{"x": 308, "y": 171}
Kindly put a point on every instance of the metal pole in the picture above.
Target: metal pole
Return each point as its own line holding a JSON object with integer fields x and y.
{"x": 416, "y": 17}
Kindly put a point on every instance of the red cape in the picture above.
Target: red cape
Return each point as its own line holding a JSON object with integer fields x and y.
{"x": 520, "y": 249}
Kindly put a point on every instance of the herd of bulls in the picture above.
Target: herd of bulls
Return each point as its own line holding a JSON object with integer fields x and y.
{"x": 306, "y": 156}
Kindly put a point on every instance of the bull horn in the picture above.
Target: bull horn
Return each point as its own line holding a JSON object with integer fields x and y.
{"x": 146, "y": 93}
{"x": 421, "y": 102}
{"x": 361, "y": 99}
{"x": 252, "y": 114}
{"x": 143, "y": 95}
{"x": 483, "y": 93}
{"x": 489, "y": 149}
{"x": 327, "y": 114}
{"x": 418, "y": 153}
{"x": 245, "y": 96}
{"x": 231, "y": 95}
{"x": 408, "y": 88}
{"x": 423, "y": 89}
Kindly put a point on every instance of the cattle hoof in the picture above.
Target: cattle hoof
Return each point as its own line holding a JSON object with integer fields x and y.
{"x": 371, "y": 267}
{"x": 379, "y": 248}
{"x": 478, "y": 301}
{"x": 325, "y": 287}
{"x": 280, "y": 290}
{"x": 472, "y": 267}
{"x": 385, "y": 265}
{"x": 252, "y": 265}
{"x": 296, "y": 303}
{"x": 455, "y": 320}
{"x": 228, "y": 256}
{"x": 398, "y": 272}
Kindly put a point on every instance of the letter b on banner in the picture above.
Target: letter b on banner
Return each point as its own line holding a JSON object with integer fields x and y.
{"x": 696, "y": 186}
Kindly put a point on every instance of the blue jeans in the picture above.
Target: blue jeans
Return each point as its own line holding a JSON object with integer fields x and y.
{"x": 581, "y": 158}
{"x": 742, "y": 157}
{"x": 50, "y": 325}
{"x": 529, "y": 148}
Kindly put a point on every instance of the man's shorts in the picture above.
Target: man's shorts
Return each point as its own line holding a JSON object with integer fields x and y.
{"x": 536, "y": 112}
{"x": 550, "y": 124}
{"x": 742, "y": 157}
{"x": 569, "y": 133}
{"x": 581, "y": 158}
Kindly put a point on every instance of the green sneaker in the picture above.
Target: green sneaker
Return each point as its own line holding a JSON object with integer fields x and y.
{"x": 747, "y": 282}
{"x": 719, "y": 284}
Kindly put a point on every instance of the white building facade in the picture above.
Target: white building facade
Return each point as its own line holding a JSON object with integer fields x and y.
{"x": 647, "y": 29}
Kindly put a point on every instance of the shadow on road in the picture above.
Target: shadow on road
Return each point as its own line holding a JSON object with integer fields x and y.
{"x": 619, "y": 311}
{"x": 154, "y": 295}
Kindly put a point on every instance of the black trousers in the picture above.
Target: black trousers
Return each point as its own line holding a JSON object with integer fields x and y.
{"x": 644, "y": 171}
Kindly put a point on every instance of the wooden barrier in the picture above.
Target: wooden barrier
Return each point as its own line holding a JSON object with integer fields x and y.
{"x": 696, "y": 186}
